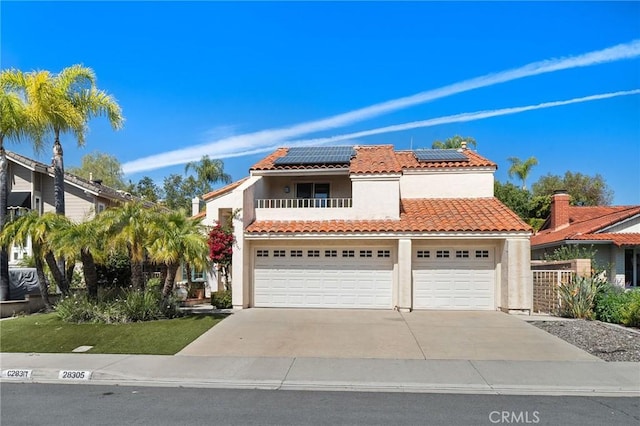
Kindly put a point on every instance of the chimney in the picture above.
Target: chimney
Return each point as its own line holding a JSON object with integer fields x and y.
{"x": 559, "y": 210}
{"x": 463, "y": 144}
{"x": 195, "y": 206}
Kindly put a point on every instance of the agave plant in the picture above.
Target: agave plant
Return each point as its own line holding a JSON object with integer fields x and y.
{"x": 577, "y": 297}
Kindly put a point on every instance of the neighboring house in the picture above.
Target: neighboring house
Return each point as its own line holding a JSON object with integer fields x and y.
{"x": 371, "y": 227}
{"x": 31, "y": 188}
{"x": 614, "y": 231}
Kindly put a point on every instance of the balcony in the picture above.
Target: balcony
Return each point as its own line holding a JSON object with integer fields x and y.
{"x": 304, "y": 203}
{"x": 304, "y": 209}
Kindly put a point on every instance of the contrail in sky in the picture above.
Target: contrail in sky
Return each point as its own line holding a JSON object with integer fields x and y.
{"x": 457, "y": 118}
{"x": 226, "y": 147}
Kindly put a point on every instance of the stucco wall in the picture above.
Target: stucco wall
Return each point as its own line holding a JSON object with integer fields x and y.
{"x": 447, "y": 184}
{"x": 630, "y": 226}
{"x": 376, "y": 197}
{"x": 516, "y": 282}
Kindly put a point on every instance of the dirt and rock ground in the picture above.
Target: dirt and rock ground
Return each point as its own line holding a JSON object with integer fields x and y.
{"x": 606, "y": 341}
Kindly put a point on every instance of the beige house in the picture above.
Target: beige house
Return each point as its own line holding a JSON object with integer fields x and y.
{"x": 31, "y": 188}
{"x": 371, "y": 227}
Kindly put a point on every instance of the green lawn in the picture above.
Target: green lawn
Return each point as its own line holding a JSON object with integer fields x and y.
{"x": 47, "y": 333}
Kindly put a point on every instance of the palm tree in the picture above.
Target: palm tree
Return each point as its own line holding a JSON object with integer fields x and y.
{"x": 177, "y": 238}
{"x": 82, "y": 241}
{"x": 15, "y": 124}
{"x": 454, "y": 142}
{"x": 521, "y": 169}
{"x": 39, "y": 228}
{"x": 128, "y": 226}
{"x": 208, "y": 171}
{"x": 64, "y": 102}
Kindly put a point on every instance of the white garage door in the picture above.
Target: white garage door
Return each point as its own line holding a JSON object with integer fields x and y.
{"x": 454, "y": 278}
{"x": 323, "y": 278}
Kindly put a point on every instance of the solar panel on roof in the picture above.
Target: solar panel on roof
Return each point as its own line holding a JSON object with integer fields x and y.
{"x": 437, "y": 155}
{"x": 317, "y": 155}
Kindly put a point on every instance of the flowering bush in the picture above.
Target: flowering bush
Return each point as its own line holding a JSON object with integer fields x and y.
{"x": 220, "y": 243}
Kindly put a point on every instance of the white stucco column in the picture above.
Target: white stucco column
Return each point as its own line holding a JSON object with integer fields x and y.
{"x": 405, "y": 282}
{"x": 239, "y": 266}
{"x": 516, "y": 281}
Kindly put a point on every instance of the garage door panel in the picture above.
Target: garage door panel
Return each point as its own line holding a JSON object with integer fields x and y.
{"x": 463, "y": 282}
{"x": 323, "y": 282}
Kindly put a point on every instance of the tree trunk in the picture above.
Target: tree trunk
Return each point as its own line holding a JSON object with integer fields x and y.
{"x": 58, "y": 185}
{"x": 187, "y": 267}
{"x": 69, "y": 272}
{"x": 137, "y": 277}
{"x": 58, "y": 276}
{"x": 4, "y": 200}
{"x": 170, "y": 281}
{"x": 42, "y": 281}
{"x": 163, "y": 273}
{"x": 90, "y": 274}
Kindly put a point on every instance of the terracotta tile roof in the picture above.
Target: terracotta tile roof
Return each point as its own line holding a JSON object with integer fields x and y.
{"x": 200, "y": 215}
{"x": 416, "y": 215}
{"x": 377, "y": 159}
{"x": 585, "y": 222}
{"x": 409, "y": 161}
{"x": 224, "y": 189}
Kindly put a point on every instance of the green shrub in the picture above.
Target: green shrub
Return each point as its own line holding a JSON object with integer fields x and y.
{"x": 609, "y": 304}
{"x": 128, "y": 306}
{"x": 221, "y": 299}
{"x": 631, "y": 312}
{"x": 577, "y": 297}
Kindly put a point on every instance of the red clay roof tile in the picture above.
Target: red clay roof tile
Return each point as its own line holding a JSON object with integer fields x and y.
{"x": 416, "y": 215}
{"x": 224, "y": 189}
{"x": 377, "y": 159}
{"x": 585, "y": 222}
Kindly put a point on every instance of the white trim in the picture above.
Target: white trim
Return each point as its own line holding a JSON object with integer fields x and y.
{"x": 376, "y": 176}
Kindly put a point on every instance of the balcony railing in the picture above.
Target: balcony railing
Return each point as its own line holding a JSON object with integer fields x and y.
{"x": 303, "y": 203}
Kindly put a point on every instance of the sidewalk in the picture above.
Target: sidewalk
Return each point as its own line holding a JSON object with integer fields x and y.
{"x": 383, "y": 375}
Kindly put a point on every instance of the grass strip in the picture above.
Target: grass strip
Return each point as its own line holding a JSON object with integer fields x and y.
{"x": 46, "y": 333}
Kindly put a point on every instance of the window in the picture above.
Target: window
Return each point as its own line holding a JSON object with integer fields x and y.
{"x": 366, "y": 253}
{"x": 462, "y": 254}
{"x": 423, "y": 254}
{"x": 279, "y": 253}
{"x": 482, "y": 253}
{"x": 317, "y": 191}
{"x": 331, "y": 253}
{"x": 296, "y": 253}
{"x": 313, "y": 253}
{"x": 101, "y": 207}
{"x": 384, "y": 253}
{"x": 263, "y": 253}
{"x": 442, "y": 253}
{"x": 196, "y": 274}
{"x": 348, "y": 253}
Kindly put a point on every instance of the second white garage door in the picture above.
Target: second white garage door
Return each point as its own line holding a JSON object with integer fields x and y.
{"x": 454, "y": 278}
{"x": 323, "y": 278}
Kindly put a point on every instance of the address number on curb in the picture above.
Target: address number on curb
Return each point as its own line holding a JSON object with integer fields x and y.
{"x": 74, "y": 375}
{"x": 16, "y": 374}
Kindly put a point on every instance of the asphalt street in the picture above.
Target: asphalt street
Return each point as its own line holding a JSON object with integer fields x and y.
{"x": 69, "y": 405}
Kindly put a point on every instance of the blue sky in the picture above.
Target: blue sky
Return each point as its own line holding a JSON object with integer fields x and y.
{"x": 212, "y": 77}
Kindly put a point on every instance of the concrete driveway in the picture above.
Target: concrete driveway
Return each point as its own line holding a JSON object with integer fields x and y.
{"x": 329, "y": 333}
